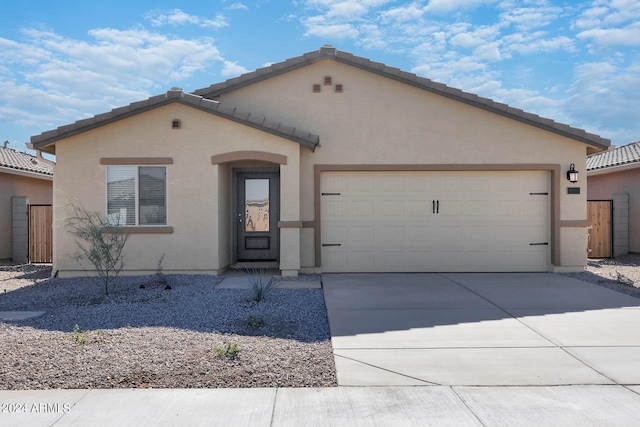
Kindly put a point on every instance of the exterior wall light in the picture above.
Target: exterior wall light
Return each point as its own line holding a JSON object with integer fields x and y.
{"x": 572, "y": 173}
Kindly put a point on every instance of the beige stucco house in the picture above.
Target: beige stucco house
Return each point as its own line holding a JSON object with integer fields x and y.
{"x": 327, "y": 162}
{"x": 615, "y": 176}
{"x": 24, "y": 180}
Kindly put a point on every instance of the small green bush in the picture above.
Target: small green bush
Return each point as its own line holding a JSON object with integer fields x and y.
{"x": 228, "y": 349}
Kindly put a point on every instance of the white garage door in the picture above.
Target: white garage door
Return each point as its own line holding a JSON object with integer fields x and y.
{"x": 435, "y": 221}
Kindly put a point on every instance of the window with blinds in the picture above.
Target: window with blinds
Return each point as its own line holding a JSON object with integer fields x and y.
{"x": 136, "y": 195}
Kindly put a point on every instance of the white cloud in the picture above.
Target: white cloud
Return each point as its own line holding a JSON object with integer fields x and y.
{"x": 528, "y": 18}
{"x": 628, "y": 36}
{"x": 320, "y": 27}
{"x": 340, "y": 19}
{"x": 178, "y": 17}
{"x": 466, "y": 40}
{"x": 410, "y": 12}
{"x": 610, "y": 23}
{"x": 469, "y": 37}
{"x": 230, "y": 69}
{"x": 606, "y": 96}
{"x": 238, "y": 6}
{"x": 591, "y": 17}
{"x": 444, "y": 6}
{"x": 51, "y": 79}
{"x": 622, "y": 11}
{"x": 526, "y": 43}
{"x": 489, "y": 52}
{"x": 346, "y": 9}
{"x": 373, "y": 37}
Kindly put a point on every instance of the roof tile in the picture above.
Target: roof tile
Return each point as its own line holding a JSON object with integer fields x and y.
{"x": 619, "y": 156}
{"x": 13, "y": 159}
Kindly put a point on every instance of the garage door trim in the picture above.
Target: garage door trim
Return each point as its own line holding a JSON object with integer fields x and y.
{"x": 553, "y": 169}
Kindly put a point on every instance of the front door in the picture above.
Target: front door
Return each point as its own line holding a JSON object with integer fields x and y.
{"x": 257, "y": 214}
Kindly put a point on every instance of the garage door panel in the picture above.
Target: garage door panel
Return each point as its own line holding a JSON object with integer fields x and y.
{"x": 362, "y": 208}
{"x": 361, "y": 234}
{"x": 486, "y": 221}
{"x": 419, "y": 233}
{"x": 390, "y": 233}
{"x": 337, "y": 259}
{"x": 336, "y": 208}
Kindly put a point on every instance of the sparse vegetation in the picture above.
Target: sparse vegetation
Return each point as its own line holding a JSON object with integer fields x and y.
{"x": 260, "y": 284}
{"x": 228, "y": 349}
{"x": 79, "y": 335}
{"x": 98, "y": 242}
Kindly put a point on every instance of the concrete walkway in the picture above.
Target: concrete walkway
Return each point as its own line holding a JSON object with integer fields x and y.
{"x": 587, "y": 405}
{"x": 478, "y": 350}
{"x": 480, "y": 330}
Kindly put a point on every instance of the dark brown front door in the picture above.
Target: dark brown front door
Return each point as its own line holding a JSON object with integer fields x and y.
{"x": 257, "y": 214}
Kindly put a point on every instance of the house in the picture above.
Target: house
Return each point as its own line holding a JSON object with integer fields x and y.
{"x": 25, "y": 180}
{"x": 614, "y": 177}
{"x": 327, "y": 162}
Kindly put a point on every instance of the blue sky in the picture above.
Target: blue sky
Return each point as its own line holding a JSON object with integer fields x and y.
{"x": 577, "y": 62}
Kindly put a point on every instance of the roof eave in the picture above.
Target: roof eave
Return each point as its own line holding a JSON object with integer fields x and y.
{"x": 46, "y": 141}
{"x": 613, "y": 169}
{"x": 27, "y": 173}
{"x": 595, "y": 143}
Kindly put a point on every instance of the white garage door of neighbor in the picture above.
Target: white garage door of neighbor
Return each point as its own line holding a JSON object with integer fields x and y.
{"x": 435, "y": 221}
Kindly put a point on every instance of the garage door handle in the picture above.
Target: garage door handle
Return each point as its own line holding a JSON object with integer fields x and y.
{"x": 539, "y": 244}
{"x": 435, "y": 206}
{"x": 332, "y": 244}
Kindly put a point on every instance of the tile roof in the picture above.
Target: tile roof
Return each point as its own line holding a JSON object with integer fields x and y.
{"x": 13, "y": 159}
{"x": 619, "y": 156}
{"x": 328, "y": 52}
{"x": 45, "y": 140}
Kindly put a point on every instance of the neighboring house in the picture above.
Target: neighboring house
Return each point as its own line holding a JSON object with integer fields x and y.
{"x": 24, "y": 180}
{"x": 327, "y": 162}
{"x": 615, "y": 175}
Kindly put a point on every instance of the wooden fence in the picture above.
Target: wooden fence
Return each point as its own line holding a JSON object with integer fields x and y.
{"x": 40, "y": 233}
{"x": 599, "y": 214}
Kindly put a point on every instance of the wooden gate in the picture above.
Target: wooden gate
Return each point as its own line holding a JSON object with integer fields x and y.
{"x": 40, "y": 233}
{"x": 599, "y": 214}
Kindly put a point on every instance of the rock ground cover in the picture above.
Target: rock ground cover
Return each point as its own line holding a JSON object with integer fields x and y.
{"x": 157, "y": 337}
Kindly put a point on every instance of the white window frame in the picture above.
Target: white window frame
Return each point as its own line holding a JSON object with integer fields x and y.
{"x": 137, "y": 195}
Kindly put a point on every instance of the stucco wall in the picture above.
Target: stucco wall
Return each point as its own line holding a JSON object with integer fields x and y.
{"x": 376, "y": 120}
{"x": 604, "y": 186}
{"x": 38, "y": 191}
{"x": 197, "y": 191}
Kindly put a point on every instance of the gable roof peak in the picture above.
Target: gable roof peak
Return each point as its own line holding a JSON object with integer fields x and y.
{"x": 327, "y": 49}
{"x": 594, "y": 142}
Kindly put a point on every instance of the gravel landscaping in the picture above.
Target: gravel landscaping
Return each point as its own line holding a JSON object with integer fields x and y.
{"x": 621, "y": 274}
{"x": 150, "y": 336}
{"x": 157, "y": 337}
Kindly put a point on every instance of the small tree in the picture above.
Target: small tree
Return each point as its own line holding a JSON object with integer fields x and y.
{"x": 98, "y": 242}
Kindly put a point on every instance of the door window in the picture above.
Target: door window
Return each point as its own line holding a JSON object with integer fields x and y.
{"x": 256, "y": 205}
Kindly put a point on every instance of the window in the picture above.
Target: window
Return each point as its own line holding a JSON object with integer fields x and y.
{"x": 136, "y": 195}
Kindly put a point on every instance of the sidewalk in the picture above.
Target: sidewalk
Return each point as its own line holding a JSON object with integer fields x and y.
{"x": 592, "y": 405}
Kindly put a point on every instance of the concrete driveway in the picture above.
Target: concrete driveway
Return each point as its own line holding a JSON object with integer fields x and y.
{"x": 480, "y": 330}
